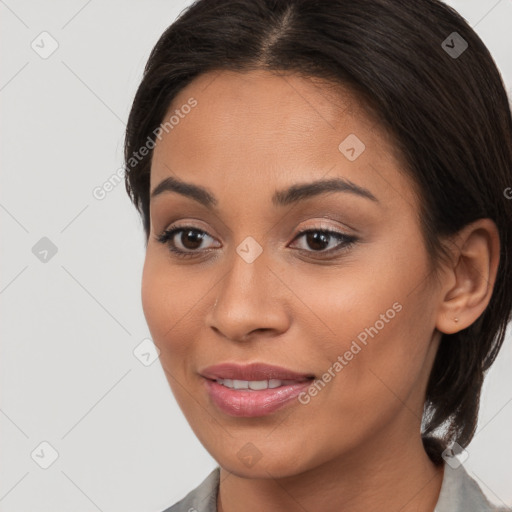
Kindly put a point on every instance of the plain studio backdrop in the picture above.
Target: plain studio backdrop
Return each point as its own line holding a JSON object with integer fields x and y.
{"x": 78, "y": 394}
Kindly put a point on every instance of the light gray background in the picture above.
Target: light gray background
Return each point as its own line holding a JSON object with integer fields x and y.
{"x": 69, "y": 326}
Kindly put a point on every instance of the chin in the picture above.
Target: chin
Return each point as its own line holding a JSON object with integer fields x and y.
{"x": 250, "y": 462}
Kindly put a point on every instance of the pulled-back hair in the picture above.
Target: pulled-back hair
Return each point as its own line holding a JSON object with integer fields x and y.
{"x": 447, "y": 111}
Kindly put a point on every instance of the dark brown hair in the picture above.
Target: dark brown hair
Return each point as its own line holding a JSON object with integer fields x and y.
{"x": 448, "y": 113}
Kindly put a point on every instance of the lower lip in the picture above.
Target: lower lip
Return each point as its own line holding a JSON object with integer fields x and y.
{"x": 250, "y": 404}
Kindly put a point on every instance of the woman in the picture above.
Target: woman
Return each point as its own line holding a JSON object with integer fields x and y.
{"x": 323, "y": 191}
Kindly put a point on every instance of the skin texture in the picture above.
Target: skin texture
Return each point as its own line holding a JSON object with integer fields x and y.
{"x": 356, "y": 445}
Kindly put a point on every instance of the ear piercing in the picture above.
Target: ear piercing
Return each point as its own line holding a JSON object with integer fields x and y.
{"x": 456, "y": 319}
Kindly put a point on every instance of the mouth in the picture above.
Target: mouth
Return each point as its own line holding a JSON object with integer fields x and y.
{"x": 253, "y": 372}
{"x": 253, "y": 390}
{"x": 257, "y": 385}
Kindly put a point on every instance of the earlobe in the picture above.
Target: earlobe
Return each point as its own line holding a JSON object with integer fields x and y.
{"x": 476, "y": 252}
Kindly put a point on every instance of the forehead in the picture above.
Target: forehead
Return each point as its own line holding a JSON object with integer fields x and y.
{"x": 250, "y": 129}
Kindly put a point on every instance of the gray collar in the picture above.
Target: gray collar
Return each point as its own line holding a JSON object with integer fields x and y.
{"x": 459, "y": 493}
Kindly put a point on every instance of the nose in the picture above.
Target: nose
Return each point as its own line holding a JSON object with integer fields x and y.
{"x": 250, "y": 299}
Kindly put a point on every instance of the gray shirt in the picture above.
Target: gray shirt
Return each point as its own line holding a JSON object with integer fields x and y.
{"x": 459, "y": 493}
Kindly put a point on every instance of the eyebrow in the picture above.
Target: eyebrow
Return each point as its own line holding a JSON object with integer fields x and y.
{"x": 284, "y": 197}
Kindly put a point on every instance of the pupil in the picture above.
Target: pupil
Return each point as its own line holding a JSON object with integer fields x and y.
{"x": 196, "y": 239}
{"x": 313, "y": 239}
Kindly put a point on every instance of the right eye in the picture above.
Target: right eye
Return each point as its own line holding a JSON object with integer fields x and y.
{"x": 184, "y": 241}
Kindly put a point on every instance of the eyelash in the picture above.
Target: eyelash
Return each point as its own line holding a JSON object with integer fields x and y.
{"x": 346, "y": 241}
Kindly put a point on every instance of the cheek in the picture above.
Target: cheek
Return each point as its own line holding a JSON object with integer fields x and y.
{"x": 372, "y": 298}
{"x": 168, "y": 303}
{"x": 379, "y": 322}
{"x": 363, "y": 318}
{"x": 343, "y": 302}
{"x": 154, "y": 297}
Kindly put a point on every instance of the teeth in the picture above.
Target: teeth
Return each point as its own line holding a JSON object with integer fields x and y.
{"x": 240, "y": 384}
{"x": 254, "y": 385}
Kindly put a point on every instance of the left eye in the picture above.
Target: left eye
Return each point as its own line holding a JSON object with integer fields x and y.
{"x": 190, "y": 239}
{"x": 320, "y": 239}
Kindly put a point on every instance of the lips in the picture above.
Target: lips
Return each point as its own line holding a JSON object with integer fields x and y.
{"x": 253, "y": 372}
{"x": 253, "y": 390}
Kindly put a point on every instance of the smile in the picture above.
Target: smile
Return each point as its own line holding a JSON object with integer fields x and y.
{"x": 255, "y": 385}
{"x": 249, "y": 399}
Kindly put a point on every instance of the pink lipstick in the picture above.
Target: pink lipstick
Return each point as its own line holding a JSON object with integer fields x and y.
{"x": 253, "y": 390}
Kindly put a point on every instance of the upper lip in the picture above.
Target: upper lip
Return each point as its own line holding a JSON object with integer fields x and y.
{"x": 252, "y": 371}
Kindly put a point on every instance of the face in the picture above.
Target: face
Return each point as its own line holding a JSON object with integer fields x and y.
{"x": 330, "y": 283}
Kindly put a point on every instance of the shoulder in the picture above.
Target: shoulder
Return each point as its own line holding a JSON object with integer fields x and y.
{"x": 201, "y": 499}
{"x": 461, "y": 493}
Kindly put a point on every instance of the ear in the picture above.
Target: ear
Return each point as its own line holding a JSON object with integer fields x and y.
{"x": 469, "y": 280}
